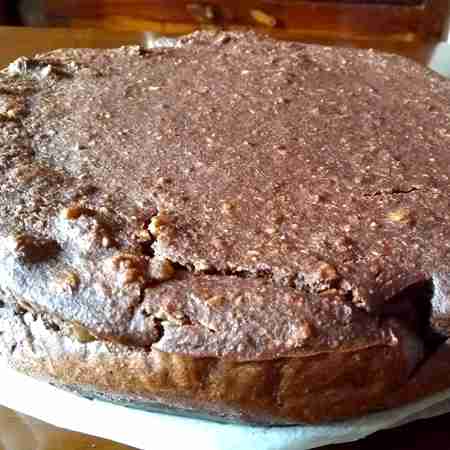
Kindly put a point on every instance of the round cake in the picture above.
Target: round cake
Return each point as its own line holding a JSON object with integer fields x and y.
{"x": 231, "y": 227}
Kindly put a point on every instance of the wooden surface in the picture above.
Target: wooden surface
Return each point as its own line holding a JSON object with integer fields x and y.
{"x": 18, "y": 432}
{"x": 23, "y": 41}
{"x": 396, "y": 19}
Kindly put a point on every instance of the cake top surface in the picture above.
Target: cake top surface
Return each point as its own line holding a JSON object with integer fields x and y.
{"x": 230, "y": 179}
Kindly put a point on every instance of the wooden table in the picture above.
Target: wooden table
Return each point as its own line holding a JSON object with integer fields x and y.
{"x": 15, "y": 431}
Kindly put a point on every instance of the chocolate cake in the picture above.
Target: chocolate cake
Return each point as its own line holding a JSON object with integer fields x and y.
{"x": 231, "y": 227}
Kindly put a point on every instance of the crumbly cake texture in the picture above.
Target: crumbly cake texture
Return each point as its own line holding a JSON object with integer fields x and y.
{"x": 234, "y": 227}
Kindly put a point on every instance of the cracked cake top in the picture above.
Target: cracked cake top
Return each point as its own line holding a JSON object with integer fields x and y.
{"x": 220, "y": 185}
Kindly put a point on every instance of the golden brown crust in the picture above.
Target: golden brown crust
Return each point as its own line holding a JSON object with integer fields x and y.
{"x": 281, "y": 391}
{"x": 431, "y": 377}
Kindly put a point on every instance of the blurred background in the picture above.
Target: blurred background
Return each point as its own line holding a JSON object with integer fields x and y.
{"x": 391, "y": 20}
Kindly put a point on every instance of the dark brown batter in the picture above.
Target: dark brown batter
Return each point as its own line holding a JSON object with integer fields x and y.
{"x": 231, "y": 198}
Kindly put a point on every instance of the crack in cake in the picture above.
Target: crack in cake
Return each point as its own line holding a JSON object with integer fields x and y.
{"x": 231, "y": 227}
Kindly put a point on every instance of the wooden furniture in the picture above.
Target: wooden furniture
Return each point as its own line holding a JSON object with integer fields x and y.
{"x": 2, "y": 12}
{"x": 392, "y": 20}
